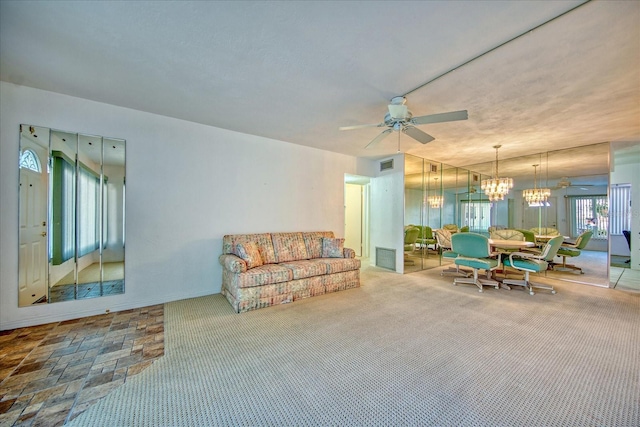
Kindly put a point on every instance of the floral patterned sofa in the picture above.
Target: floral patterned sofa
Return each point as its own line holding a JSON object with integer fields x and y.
{"x": 261, "y": 270}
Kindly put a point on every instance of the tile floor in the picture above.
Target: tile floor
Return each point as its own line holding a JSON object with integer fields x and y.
{"x": 625, "y": 279}
{"x": 51, "y": 373}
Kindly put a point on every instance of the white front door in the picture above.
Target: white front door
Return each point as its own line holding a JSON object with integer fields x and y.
{"x": 33, "y": 226}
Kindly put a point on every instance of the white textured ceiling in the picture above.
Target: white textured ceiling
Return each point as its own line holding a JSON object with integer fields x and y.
{"x": 296, "y": 71}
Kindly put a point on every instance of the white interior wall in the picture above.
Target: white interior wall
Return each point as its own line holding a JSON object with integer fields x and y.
{"x": 387, "y": 212}
{"x": 187, "y": 185}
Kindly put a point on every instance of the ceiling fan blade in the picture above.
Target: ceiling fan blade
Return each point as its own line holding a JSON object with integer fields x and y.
{"x": 417, "y": 134}
{"x": 379, "y": 138}
{"x": 377, "y": 125}
{"x": 441, "y": 117}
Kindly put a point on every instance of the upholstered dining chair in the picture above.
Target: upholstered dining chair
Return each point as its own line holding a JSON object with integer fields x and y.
{"x": 426, "y": 238}
{"x": 444, "y": 243}
{"x": 573, "y": 250}
{"x": 474, "y": 252}
{"x": 410, "y": 239}
{"x": 453, "y": 228}
{"x": 527, "y": 262}
{"x": 507, "y": 234}
{"x": 545, "y": 231}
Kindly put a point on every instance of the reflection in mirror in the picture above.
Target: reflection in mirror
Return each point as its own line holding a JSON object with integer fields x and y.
{"x": 83, "y": 204}
{"x": 34, "y": 154}
{"x": 578, "y": 180}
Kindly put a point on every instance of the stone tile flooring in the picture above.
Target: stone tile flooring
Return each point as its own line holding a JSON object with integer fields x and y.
{"x": 51, "y": 373}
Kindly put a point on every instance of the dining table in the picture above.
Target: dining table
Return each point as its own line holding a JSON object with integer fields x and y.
{"x": 510, "y": 244}
{"x": 544, "y": 238}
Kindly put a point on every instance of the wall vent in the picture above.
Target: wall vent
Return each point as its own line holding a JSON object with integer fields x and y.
{"x": 386, "y": 165}
{"x": 386, "y": 258}
{"x": 434, "y": 168}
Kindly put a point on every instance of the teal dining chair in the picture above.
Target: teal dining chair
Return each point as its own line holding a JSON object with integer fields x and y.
{"x": 474, "y": 252}
{"x": 527, "y": 263}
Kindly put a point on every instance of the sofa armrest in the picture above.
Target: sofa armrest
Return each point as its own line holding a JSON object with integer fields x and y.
{"x": 233, "y": 263}
{"x": 349, "y": 253}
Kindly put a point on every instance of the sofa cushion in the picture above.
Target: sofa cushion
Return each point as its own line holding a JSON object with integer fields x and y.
{"x": 306, "y": 268}
{"x": 313, "y": 242}
{"x": 250, "y": 253}
{"x": 289, "y": 247}
{"x": 332, "y": 248}
{"x": 265, "y": 245}
{"x": 266, "y": 274}
{"x": 336, "y": 265}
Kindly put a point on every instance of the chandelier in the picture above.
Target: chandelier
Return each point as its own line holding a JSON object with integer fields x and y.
{"x": 536, "y": 196}
{"x": 435, "y": 201}
{"x": 496, "y": 188}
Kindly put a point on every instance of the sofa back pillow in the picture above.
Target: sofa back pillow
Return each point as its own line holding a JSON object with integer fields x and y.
{"x": 313, "y": 242}
{"x": 250, "y": 253}
{"x": 332, "y": 248}
{"x": 263, "y": 240}
{"x": 289, "y": 247}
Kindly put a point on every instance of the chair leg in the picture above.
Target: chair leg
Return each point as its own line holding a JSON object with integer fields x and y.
{"x": 524, "y": 282}
{"x": 539, "y": 286}
{"x": 566, "y": 267}
{"x": 477, "y": 281}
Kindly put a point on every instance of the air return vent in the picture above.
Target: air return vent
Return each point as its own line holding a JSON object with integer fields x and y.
{"x": 386, "y": 258}
{"x": 386, "y": 165}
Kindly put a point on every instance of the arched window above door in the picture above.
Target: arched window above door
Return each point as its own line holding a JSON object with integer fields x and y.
{"x": 29, "y": 160}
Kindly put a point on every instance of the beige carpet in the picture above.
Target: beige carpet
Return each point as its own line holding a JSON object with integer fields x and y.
{"x": 401, "y": 350}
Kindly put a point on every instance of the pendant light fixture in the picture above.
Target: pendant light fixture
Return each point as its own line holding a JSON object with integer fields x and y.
{"x": 536, "y": 196}
{"x": 435, "y": 201}
{"x": 496, "y": 188}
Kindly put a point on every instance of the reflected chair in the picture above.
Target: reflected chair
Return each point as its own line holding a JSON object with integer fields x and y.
{"x": 545, "y": 231}
{"x": 495, "y": 227}
{"x": 410, "y": 239}
{"x": 573, "y": 250}
{"x": 530, "y": 237}
{"x": 425, "y": 238}
{"x": 507, "y": 234}
{"x": 627, "y": 235}
{"x": 532, "y": 263}
{"x": 444, "y": 243}
{"x": 453, "y": 228}
{"x": 474, "y": 252}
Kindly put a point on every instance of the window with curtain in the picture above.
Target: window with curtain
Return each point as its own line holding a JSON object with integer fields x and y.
{"x": 620, "y": 209}
{"x": 63, "y": 209}
{"x": 589, "y": 213}
{"x": 88, "y": 211}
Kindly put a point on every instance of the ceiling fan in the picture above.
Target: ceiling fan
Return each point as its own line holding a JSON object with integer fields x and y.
{"x": 400, "y": 119}
{"x": 565, "y": 183}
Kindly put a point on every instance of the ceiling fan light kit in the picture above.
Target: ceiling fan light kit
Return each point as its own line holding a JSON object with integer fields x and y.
{"x": 400, "y": 119}
{"x": 496, "y": 188}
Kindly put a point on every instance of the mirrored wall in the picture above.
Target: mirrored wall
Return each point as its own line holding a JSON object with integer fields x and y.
{"x": 72, "y": 216}
{"x": 577, "y": 180}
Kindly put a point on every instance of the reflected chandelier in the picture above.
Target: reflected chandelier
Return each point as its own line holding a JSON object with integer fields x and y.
{"x": 435, "y": 201}
{"x": 496, "y": 188}
{"x": 535, "y": 195}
